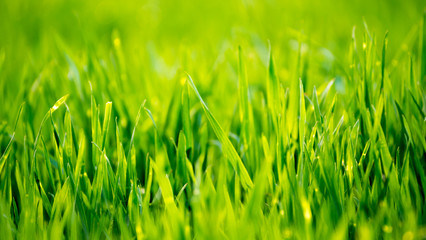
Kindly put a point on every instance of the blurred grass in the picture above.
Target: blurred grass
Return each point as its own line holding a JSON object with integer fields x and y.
{"x": 301, "y": 119}
{"x": 157, "y": 38}
{"x": 160, "y": 36}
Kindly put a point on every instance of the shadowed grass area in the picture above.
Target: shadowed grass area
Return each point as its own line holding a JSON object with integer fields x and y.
{"x": 212, "y": 119}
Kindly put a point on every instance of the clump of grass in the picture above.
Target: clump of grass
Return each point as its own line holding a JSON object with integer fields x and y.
{"x": 286, "y": 155}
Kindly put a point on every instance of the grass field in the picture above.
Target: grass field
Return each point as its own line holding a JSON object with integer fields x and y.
{"x": 212, "y": 119}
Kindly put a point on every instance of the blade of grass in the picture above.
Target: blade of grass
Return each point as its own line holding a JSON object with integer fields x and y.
{"x": 228, "y": 148}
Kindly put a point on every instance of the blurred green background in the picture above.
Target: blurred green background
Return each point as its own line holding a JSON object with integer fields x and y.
{"x": 144, "y": 44}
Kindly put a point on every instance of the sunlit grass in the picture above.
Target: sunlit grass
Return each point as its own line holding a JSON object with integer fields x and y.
{"x": 239, "y": 126}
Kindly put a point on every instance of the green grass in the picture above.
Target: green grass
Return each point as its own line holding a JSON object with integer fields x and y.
{"x": 202, "y": 120}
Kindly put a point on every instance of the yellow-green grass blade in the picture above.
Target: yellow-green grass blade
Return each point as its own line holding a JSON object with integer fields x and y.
{"x": 228, "y": 148}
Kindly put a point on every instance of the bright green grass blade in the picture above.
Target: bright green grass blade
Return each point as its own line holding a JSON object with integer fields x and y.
{"x": 80, "y": 160}
{"x": 94, "y": 119}
{"x": 318, "y": 115}
{"x": 302, "y": 122}
{"x": 6, "y": 152}
{"x": 248, "y": 128}
{"x": 253, "y": 210}
{"x": 419, "y": 108}
{"x": 46, "y": 202}
{"x": 181, "y": 175}
{"x": 105, "y": 125}
{"x": 228, "y": 149}
{"x": 385, "y": 45}
{"x": 148, "y": 112}
{"x": 48, "y": 164}
{"x": 186, "y": 118}
{"x": 122, "y": 169}
{"x": 166, "y": 188}
{"x": 48, "y": 114}
{"x": 272, "y": 88}
{"x": 68, "y": 141}
{"x": 244, "y": 101}
{"x": 147, "y": 196}
{"x": 134, "y": 128}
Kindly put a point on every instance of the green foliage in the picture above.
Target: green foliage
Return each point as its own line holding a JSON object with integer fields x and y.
{"x": 289, "y": 128}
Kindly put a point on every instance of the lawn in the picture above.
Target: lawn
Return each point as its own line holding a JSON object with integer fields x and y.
{"x": 212, "y": 119}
